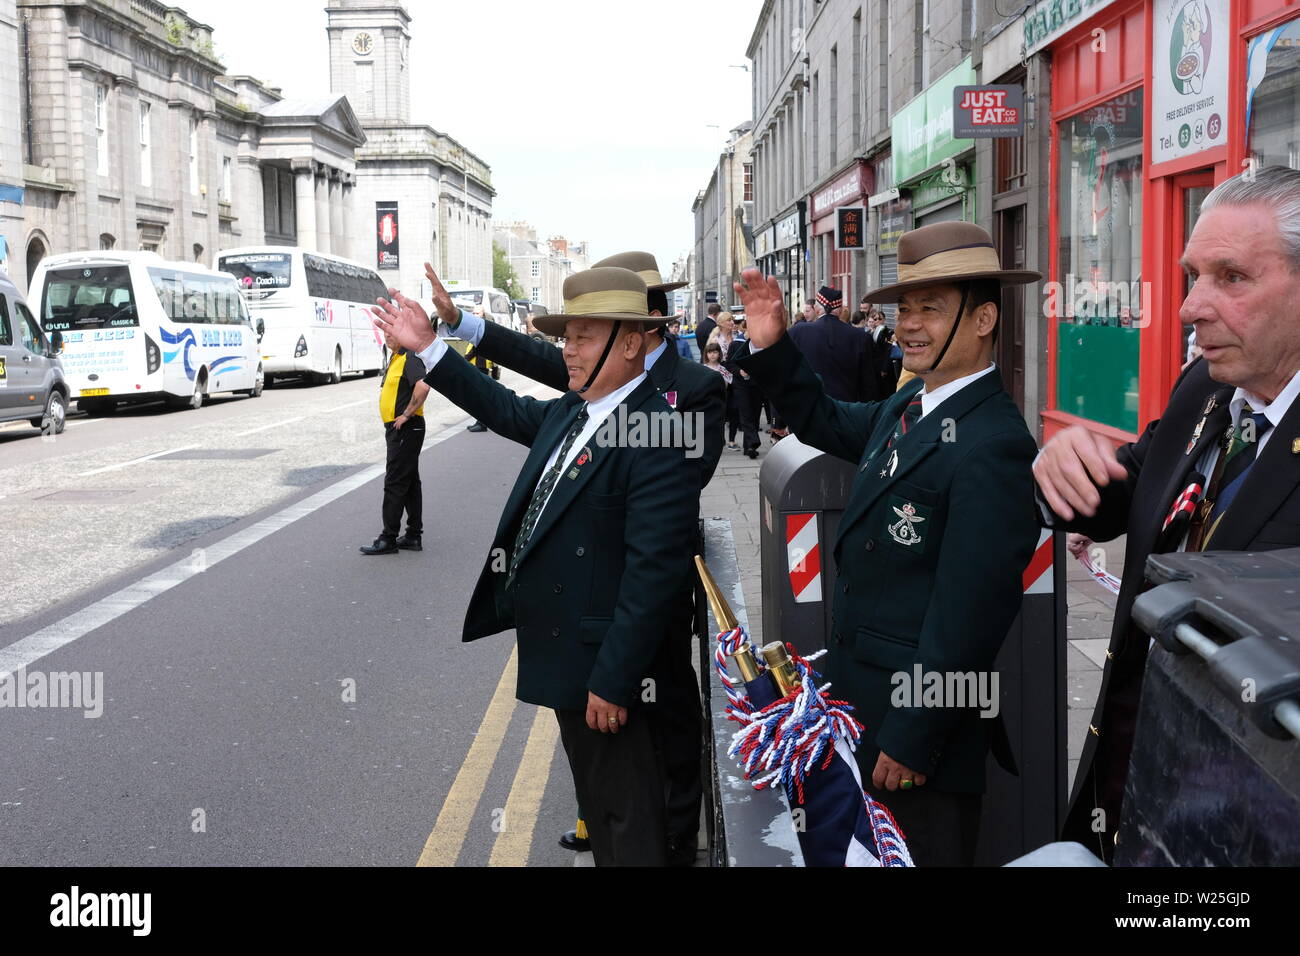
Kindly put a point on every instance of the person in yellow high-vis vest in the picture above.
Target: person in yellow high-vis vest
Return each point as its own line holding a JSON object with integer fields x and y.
{"x": 403, "y": 418}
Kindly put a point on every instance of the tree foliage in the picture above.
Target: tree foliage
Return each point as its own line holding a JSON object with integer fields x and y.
{"x": 503, "y": 274}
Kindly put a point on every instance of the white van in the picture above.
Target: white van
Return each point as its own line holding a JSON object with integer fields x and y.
{"x": 137, "y": 328}
{"x": 315, "y": 308}
{"x": 495, "y": 302}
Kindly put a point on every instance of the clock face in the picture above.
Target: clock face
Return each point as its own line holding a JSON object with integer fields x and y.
{"x": 363, "y": 43}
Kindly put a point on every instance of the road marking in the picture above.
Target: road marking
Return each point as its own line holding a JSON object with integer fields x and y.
{"x": 340, "y": 408}
{"x": 525, "y": 800}
{"x": 448, "y": 836}
{"x": 47, "y": 640}
{"x": 262, "y": 428}
{"x": 135, "y": 461}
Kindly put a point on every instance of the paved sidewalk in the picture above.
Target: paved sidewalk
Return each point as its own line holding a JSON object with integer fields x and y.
{"x": 733, "y": 494}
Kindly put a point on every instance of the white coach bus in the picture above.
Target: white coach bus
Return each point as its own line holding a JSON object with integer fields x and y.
{"x": 316, "y": 309}
{"x": 137, "y": 328}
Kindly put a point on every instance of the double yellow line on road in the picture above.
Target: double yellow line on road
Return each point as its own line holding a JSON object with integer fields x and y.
{"x": 515, "y": 837}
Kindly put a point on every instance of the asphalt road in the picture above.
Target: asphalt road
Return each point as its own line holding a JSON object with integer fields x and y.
{"x": 269, "y": 695}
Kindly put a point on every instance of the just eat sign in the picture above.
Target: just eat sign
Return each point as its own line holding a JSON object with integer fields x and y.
{"x": 988, "y": 111}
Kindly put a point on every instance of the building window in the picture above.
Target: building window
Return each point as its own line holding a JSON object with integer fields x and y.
{"x": 858, "y": 121}
{"x": 194, "y": 157}
{"x": 146, "y": 145}
{"x": 835, "y": 107}
{"x": 1100, "y": 262}
{"x": 537, "y": 268}
{"x": 198, "y": 252}
{"x": 537, "y": 293}
{"x": 749, "y": 182}
{"x": 106, "y": 241}
{"x": 226, "y": 175}
{"x": 1274, "y": 103}
{"x": 101, "y": 128}
{"x": 923, "y": 41}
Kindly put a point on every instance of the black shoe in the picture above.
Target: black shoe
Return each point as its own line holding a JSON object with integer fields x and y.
{"x": 384, "y": 544}
{"x": 751, "y": 452}
{"x": 477, "y": 427}
{"x": 410, "y": 542}
{"x": 681, "y": 852}
{"x": 571, "y": 841}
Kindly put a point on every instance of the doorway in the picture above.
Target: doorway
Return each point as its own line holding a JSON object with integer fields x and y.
{"x": 1190, "y": 190}
{"x": 1010, "y": 349}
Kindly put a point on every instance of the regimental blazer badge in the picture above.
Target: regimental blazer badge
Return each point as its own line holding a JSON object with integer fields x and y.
{"x": 671, "y": 398}
{"x": 904, "y": 530}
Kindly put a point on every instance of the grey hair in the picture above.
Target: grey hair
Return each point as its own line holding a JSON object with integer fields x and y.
{"x": 1278, "y": 188}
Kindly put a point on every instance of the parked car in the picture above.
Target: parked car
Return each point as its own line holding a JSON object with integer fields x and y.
{"x": 32, "y": 385}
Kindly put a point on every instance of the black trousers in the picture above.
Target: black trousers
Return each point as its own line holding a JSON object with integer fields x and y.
{"x": 677, "y": 718}
{"x": 941, "y": 828}
{"x": 619, "y": 780}
{"x": 749, "y": 400}
{"x": 402, "y": 490}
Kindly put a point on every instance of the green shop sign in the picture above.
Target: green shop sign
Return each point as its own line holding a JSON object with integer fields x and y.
{"x": 1049, "y": 19}
{"x": 922, "y": 130}
{"x": 945, "y": 184}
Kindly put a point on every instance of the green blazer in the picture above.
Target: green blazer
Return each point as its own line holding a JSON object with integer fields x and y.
{"x": 929, "y": 555}
{"x": 591, "y": 598}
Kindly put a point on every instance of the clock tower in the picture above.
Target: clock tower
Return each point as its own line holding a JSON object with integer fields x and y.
{"x": 369, "y": 42}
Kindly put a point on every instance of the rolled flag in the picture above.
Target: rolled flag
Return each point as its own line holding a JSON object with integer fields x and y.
{"x": 793, "y": 735}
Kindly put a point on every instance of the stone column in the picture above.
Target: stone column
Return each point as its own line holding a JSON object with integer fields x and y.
{"x": 304, "y": 191}
{"x": 347, "y": 201}
{"x": 321, "y": 189}
{"x": 339, "y": 239}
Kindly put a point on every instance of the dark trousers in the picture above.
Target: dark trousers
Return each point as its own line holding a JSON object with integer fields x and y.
{"x": 620, "y": 785}
{"x": 941, "y": 828}
{"x": 402, "y": 490}
{"x": 748, "y": 402}
{"x": 677, "y": 718}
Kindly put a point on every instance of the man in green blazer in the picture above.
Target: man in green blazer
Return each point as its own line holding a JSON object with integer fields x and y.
{"x": 939, "y": 527}
{"x": 592, "y": 546}
{"x": 696, "y": 394}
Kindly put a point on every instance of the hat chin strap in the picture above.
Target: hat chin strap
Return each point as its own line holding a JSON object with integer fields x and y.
{"x": 961, "y": 308}
{"x": 603, "y": 355}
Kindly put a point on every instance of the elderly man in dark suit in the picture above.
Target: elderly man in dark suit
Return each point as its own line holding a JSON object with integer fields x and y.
{"x": 1219, "y": 470}
{"x": 938, "y": 529}
{"x": 837, "y": 352}
{"x": 592, "y": 549}
{"x": 698, "y": 396}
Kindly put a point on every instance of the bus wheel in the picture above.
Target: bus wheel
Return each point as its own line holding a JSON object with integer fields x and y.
{"x": 337, "y": 375}
{"x": 258, "y": 383}
{"x": 195, "y": 401}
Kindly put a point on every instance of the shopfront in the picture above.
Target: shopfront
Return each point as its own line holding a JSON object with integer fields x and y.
{"x": 845, "y": 271}
{"x": 1152, "y": 105}
{"x": 930, "y": 167}
{"x": 779, "y": 250}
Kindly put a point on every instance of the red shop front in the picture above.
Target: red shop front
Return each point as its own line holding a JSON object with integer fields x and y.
{"x": 1150, "y": 107}
{"x": 849, "y": 188}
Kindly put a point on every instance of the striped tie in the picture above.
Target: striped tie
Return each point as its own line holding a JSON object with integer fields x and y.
{"x": 543, "y": 491}
{"x": 911, "y": 414}
{"x": 1237, "y": 462}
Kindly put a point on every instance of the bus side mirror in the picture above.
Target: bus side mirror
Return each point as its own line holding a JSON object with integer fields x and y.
{"x": 261, "y": 329}
{"x": 56, "y": 342}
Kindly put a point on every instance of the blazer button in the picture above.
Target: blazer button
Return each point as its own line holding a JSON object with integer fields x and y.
{"x": 580, "y": 552}
{"x": 844, "y": 588}
{"x": 559, "y": 588}
{"x": 871, "y": 544}
{"x": 555, "y": 632}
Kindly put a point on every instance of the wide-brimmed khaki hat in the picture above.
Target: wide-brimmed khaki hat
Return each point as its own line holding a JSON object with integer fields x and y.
{"x": 602, "y": 292}
{"x": 643, "y": 264}
{"x": 947, "y": 253}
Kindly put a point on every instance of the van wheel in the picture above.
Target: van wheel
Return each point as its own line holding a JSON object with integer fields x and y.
{"x": 258, "y": 383}
{"x": 55, "y": 417}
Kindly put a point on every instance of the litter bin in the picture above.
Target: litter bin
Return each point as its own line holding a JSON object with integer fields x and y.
{"x": 802, "y": 496}
{"x": 1214, "y": 776}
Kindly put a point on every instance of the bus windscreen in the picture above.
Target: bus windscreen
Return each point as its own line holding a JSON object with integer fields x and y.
{"x": 88, "y": 298}
{"x": 259, "y": 272}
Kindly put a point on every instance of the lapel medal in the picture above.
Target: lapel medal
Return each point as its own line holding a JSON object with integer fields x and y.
{"x": 582, "y": 460}
{"x": 671, "y": 399}
{"x": 1196, "y": 435}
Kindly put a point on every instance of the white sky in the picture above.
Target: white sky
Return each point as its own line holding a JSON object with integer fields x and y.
{"x": 596, "y": 116}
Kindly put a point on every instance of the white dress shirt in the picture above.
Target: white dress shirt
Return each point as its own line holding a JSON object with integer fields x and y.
{"x": 933, "y": 398}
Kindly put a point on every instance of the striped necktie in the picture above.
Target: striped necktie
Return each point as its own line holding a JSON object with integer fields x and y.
{"x": 911, "y": 414}
{"x": 1237, "y": 461}
{"x": 544, "y": 488}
